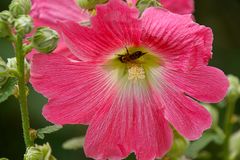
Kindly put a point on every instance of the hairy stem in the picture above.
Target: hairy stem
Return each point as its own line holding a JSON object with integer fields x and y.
{"x": 228, "y": 125}
{"x": 22, "y": 91}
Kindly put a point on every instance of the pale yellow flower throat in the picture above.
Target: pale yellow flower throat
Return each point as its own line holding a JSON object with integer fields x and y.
{"x": 135, "y": 72}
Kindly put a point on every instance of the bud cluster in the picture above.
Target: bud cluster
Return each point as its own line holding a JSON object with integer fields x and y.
{"x": 17, "y": 21}
{"x": 16, "y": 18}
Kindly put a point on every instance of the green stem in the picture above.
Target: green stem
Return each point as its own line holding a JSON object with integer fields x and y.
{"x": 22, "y": 91}
{"x": 228, "y": 125}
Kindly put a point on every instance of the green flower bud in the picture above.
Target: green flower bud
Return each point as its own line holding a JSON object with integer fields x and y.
{"x": 234, "y": 88}
{"x": 39, "y": 152}
{"x": 20, "y": 7}
{"x": 7, "y": 17}
{"x": 3, "y": 72}
{"x": 90, "y": 4}
{"x": 45, "y": 40}
{"x": 4, "y": 29}
{"x": 23, "y": 24}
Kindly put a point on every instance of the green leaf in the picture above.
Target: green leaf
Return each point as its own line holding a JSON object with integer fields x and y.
{"x": 47, "y": 130}
{"x": 196, "y": 146}
{"x": 7, "y": 89}
{"x": 74, "y": 143}
{"x": 4, "y": 159}
{"x": 235, "y": 145}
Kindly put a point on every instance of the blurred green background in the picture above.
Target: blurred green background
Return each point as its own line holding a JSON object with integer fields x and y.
{"x": 221, "y": 15}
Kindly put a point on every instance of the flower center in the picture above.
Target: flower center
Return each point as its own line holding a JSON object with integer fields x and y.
{"x": 135, "y": 72}
{"x": 133, "y": 64}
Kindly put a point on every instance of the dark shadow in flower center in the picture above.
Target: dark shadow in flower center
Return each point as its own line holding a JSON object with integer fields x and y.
{"x": 132, "y": 64}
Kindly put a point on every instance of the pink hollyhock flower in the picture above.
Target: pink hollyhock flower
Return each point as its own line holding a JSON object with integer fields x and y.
{"x": 49, "y": 12}
{"x": 176, "y": 6}
{"x": 134, "y": 77}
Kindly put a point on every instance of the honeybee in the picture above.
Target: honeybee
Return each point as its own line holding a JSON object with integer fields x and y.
{"x": 130, "y": 57}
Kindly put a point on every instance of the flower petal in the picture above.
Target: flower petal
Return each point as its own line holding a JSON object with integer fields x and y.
{"x": 186, "y": 115}
{"x": 130, "y": 122}
{"x": 75, "y": 90}
{"x": 179, "y": 6}
{"x": 207, "y": 84}
{"x": 48, "y": 12}
{"x": 115, "y": 26}
{"x": 182, "y": 43}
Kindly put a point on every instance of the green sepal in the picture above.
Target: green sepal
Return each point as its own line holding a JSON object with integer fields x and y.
{"x": 47, "y": 130}
{"x": 39, "y": 152}
{"x": 196, "y": 146}
{"x": 90, "y": 4}
{"x": 8, "y": 89}
{"x": 142, "y": 5}
{"x": 4, "y": 29}
{"x": 179, "y": 147}
{"x": 74, "y": 143}
{"x": 234, "y": 146}
{"x": 220, "y": 136}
